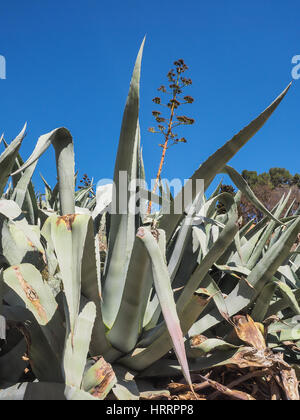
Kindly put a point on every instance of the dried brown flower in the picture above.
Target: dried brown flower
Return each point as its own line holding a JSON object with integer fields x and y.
{"x": 189, "y": 99}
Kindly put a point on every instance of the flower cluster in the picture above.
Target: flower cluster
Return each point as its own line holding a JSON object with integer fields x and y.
{"x": 86, "y": 182}
{"x": 176, "y": 85}
{"x": 166, "y": 125}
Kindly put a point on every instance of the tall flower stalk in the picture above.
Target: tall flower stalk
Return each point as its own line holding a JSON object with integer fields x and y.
{"x": 166, "y": 126}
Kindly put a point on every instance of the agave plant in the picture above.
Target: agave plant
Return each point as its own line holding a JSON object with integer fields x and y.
{"x": 166, "y": 277}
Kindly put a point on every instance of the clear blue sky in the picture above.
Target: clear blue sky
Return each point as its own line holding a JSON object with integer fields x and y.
{"x": 69, "y": 64}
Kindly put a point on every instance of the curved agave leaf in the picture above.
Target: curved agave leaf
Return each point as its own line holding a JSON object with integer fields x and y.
{"x": 29, "y": 203}
{"x": 123, "y": 230}
{"x": 64, "y": 150}
{"x": 8, "y": 157}
{"x": 22, "y": 186}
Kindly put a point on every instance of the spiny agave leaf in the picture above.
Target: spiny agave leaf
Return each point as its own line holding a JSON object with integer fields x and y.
{"x": 27, "y": 282}
{"x": 91, "y": 290}
{"x": 122, "y": 229}
{"x": 77, "y": 346}
{"x": 68, "y": 234}
{"x": 243, "y": 186}
{"x": 164, "y": 292}
{"x": 64, "y": 150}
{"x": 8, "y": 157}
{"x": 216, "y": 162}
{"x": 129, "y": 322}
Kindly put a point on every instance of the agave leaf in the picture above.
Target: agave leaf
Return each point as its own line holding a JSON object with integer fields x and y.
{"x": 13, "y": 393}
{"x": 169, "y": 368}
{"x": 91, "y": 289}
{"x": 243, "y": 186}
{"x": 12, "y": 365}
{"x": 288, "y": 293}
{"x": 282, "y": 304}
{"x": 164, "y": 292}
{"x": 27, "y": 282}
{"x": 289, "y": 275}
{"x": 43, "y": 391}
{"x": 45, "y": 365}
{"x": 68, "y": 234}
{"x": 29, "y": 204}
{"x": 263, "y": 302}
{"x": 209, "y": 346}
{"x": 129, "y": 322}
{"x": 215, "y": 163}
{"x": 99, "y": 378}
{"x": 8, "y": 157}
{"x": 2, "y": 320}
{"x": 216, "y": 251}
{"x": 257, "y": 251}
{"x": 77, "y": 346}
{"x": 122, "y": 230}
{"x": 160, "y": 343}
{"x": 125, "y": 388}
{"x": 21, "y": 188}
{"x": 64, "y": 150}
{"x": 246, "y": 291}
